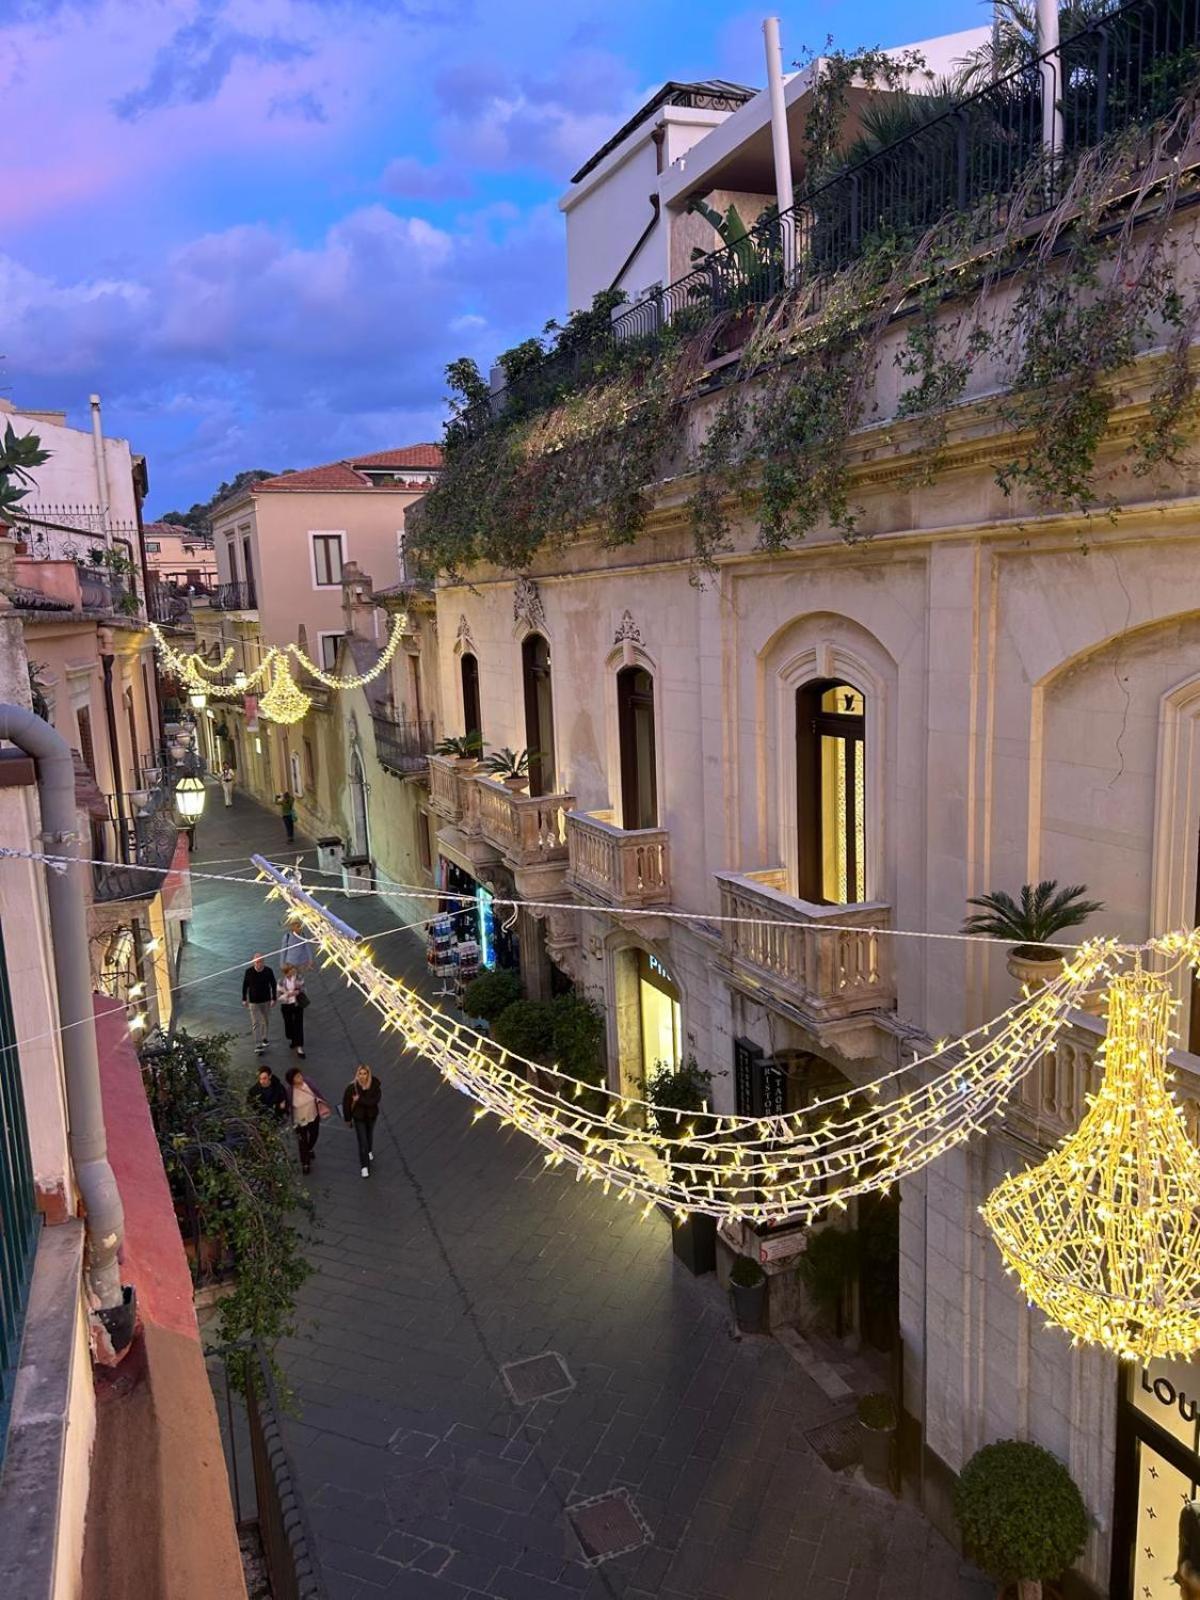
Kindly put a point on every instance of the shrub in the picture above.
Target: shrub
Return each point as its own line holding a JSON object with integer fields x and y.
{"x": 491, "y": 993}
{"x": 828, "y": 1266}
{"x": 877, "y": 1411}
{"x": 579, "y": 1037}
{"x": 527, "y": 1029}
{"x": 746, "y": 1273}
{"x": 677, "y": 1089}
{"x": 1022, "y": 1518}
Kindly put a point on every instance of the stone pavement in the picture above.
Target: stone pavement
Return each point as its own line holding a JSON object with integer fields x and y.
{"x": 423, "y": 1477}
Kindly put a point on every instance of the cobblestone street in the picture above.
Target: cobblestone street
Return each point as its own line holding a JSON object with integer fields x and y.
{"x": 423, "y": 1476}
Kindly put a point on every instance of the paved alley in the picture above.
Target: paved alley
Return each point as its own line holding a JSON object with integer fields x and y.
{"x": 425, "y": 1480}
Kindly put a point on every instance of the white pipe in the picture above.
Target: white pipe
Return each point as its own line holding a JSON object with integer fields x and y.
{"x": 101, "y": 465}
{"x": 1051, "y": 71}
{"x": 779, "y": 143}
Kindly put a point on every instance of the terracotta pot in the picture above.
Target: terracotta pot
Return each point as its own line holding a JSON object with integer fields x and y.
{"x": 1036, "y": 971}
{"x": 515, "y": 784}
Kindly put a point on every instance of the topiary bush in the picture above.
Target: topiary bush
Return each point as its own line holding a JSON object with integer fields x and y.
{"x": 1022, "y": 1518}
{"x": 527, "y": 1029}
{"x": 579, "y": 1037}
{"x": 491, "y": 993}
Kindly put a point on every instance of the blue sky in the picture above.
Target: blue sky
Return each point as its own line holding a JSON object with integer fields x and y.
{"x": 260, "y": 228}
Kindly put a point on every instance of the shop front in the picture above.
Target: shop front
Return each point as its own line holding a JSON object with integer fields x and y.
{"x": 471, "y": 906}
{"x": 661, "y": 1015}
{"x": 1158, "y": 1479}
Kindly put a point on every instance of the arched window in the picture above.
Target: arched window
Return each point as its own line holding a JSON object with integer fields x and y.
{"x": 472, "y": 722}
{"x": 831, "y": 793}
{"x": 635, "y": 726}
{"x": 539, "y": 714}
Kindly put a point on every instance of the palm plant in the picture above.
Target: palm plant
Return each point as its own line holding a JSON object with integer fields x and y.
{"x": 1044, "y": 910}
{"x": 464, "y": 747}
{"x": 509, "y": 764}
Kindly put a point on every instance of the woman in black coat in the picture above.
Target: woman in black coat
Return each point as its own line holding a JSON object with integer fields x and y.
{"x": 360, "y": 1106}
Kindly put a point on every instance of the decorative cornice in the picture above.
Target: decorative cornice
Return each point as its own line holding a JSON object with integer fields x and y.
{"x": 527, "y": 605}
{"x": 464, "y": 640}
{"x": 627, "y": 629}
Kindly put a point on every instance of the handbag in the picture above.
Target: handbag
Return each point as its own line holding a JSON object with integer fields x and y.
{"x": 301, "y": 1000}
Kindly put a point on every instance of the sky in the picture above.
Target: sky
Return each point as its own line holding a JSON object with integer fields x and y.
{"x": 259, "y": 229}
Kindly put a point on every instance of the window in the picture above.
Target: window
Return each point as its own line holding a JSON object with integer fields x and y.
{"x": 231, "y": 558}
{"x": 635, "y": 725}
{"x": 472, "y": 721}
{"x": 17, "y": 1204}
{"x": 84, "y": 718}
{"x": 153, "y": 547}
{"x": 134, "y": 752}
{"x": 424, "y": 843}
{"x": 309, "y": 765}
{"x": 329, "y": 649}
{"x": 831, "y": 793}
{"x": 327, "y": 559}
{"x": 539, "y": 714}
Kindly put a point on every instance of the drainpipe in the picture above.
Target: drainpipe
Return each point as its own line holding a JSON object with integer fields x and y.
{"x": 781, "y": 147}
{"x": 1051, "y": 72}
{"x": 67, "y": 897}
{"x": 101, "y": 464}
{"x": 104, "y": 639}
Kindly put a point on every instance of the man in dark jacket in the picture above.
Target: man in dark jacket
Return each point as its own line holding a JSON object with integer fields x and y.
{"x": 267, "y": 1095}
{"x": 258, "y": 995}
{"x": 360, "y": 1106}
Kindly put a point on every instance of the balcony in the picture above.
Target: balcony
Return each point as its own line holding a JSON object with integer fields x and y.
{"x": 618, "y": 866}
{"x": 824, "y": 960}
{"x": 528, "y": 830}
{"x": 234, "y": 597}
{"x": 151, "y": 834}
{"x": 402, "y": 747}
{"x": 450, "y": 791}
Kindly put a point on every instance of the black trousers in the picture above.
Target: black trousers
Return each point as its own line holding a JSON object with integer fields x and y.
{"x": 364, "y": 1132}
{"x": 293, "y": 1025}
{"x": 289, "y": 823}
{"x": 306, "y": 1139}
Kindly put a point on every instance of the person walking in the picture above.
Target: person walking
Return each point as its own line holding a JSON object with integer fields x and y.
{"x": 306, "y": 1107}
{"x": 287, "y": 810}
{"x": 292, "y": 1004}
{"x": 259, "y": 990}
{"x": 227, "y": 783}
{"x": 267, "y": 1095}
{"x": 297, "y": 946}
{"x": 360, "y": 1106}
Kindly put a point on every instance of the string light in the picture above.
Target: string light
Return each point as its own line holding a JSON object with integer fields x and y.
{"x": 399, "y": 628}
{"x": 200, "y": 676}
{"x": 1104, "y": 1235}
{"x": 766, "y": 1170}
{"x": 284, "y": 701}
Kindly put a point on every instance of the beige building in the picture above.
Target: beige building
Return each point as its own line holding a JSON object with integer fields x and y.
{"x": 981, "y": 690}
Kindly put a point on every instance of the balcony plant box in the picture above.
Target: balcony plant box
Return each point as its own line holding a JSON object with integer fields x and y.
{"x": 748, "y": 1286}
{"x": 877, "y": 1425}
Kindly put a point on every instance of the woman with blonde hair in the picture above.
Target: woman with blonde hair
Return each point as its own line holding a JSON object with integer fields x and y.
{"x": 360, "y": 1106}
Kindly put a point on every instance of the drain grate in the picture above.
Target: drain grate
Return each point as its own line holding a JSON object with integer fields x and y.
{"x": 537, "y": 1378}
{"x": 608, "y": 1525}
{"x": 838, "y": 1443}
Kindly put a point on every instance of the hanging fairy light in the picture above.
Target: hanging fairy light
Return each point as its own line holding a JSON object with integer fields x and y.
{"x": 399, "y": 628}
{"x": 762, "y": 1169}
{"x": 1104, "y": 1235}
{"x": 200, "y": 676}
{"x": 284, "y": 701}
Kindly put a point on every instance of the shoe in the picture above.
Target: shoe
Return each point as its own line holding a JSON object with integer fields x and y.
{"x": 370, "y": 1155}
{"x": 260, "y": 1049}
{"x": 299, "y": 1052}
{"x": 304, "y": 1167}
{"x": 366, "y": 1172}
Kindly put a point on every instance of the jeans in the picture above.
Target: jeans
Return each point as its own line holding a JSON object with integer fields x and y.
{"x": 306, "y": 1139}
{"x": 364, "y": 1132}
{"x": 289, "y": 823}
{"x": 293, "y": 1025}
{"x": 260, "y": 1016}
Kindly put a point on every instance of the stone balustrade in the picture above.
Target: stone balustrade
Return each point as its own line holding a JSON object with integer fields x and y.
{"x": 621, "y": 866}
{"x": 824, "y": 959}
{"x": 528, "y": 830}
{"x": 444, "y": 787}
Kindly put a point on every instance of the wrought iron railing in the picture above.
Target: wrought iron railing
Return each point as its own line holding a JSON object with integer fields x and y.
{"x": 266, "y": 1493}
{"x": 403, "y": 746}
{"x": 1127, "y": 69}
{"x": 18, "y": 1211}
{"x": 235, "y": 596}
{"x": 151, "y": 833}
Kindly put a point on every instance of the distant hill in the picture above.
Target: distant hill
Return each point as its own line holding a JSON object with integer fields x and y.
{"x": 198, "y": 519}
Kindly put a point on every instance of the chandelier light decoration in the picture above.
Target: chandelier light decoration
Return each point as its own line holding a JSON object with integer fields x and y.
{"x": 763, "y": 1170}
{"x": 200, "y": 675}
{"x": 1104, "y": 1235}
{"x": 284, "y": 700}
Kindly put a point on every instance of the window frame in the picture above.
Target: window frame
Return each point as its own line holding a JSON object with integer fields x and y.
{"x": 328, "y": 633}
{"x": 322, "y": 535}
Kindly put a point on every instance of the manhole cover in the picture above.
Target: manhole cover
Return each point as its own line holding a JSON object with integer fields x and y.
{"x": 608, "y": 1525}
{"x": 838, "y": 1443}
{"x": 537, "y": 1378}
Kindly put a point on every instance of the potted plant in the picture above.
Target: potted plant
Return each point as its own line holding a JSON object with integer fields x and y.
{"x": 490, "y": 994}
{"x": 1044, "y": 910}
{"x": 1022, "y": 1518}
{"x": 877, "y": 1425}
{"x": 829, "y": 1266}
{"x": 673, "y": 1093}
{"x": 748, "y": 1285}
{"x": 510, "y": 766}
{"x": 463, "y": 747}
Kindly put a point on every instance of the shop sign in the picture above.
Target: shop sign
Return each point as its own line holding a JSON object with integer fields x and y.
{"x": 779, "y": 1246}
{"x": 1165, "y": 1392}
{"x": 250, "y": 706}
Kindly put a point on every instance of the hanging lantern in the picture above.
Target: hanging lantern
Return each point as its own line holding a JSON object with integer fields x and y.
{"x": 197, "y": 699}
{"x": 1104, "y": 1235}
{"x": 189, "y": 798}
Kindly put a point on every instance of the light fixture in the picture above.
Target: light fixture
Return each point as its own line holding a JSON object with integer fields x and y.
{"x": 190, "y": 798}
{"x": 198, "y": 700}
{"x": 240, "y": 681}
{"x": 1104, "y": 1235}
{"x": 284, "y": 701}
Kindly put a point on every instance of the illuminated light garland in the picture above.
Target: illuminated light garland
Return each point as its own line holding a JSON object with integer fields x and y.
{"x": 764, "y": 1170}
{"x": 399, "y": 629}
{"x": 1104, "y": 1235}
{"x": 284, "y": 701}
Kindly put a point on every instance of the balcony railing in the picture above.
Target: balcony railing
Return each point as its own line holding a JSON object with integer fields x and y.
{"x": 621, "y": 866}
{"x": 528, "y": 830}
{"x": 1124, "y": 70}
{"x": 824, "y": 959}
{"x": 234, "y": 597}
{"x": 402, "y": 747}
{"x": 152, "y": 833}
{"x": 446, "y": 786}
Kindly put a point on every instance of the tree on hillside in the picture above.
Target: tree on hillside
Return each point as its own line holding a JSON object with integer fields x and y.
{"x": 198, "y": 518}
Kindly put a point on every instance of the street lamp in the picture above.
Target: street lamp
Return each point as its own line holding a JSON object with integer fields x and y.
{"x": 197, "y": 699}
{"x": 189, "y": 801}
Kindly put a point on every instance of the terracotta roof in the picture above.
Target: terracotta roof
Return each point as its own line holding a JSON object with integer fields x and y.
{"x": 352, "y": 472}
